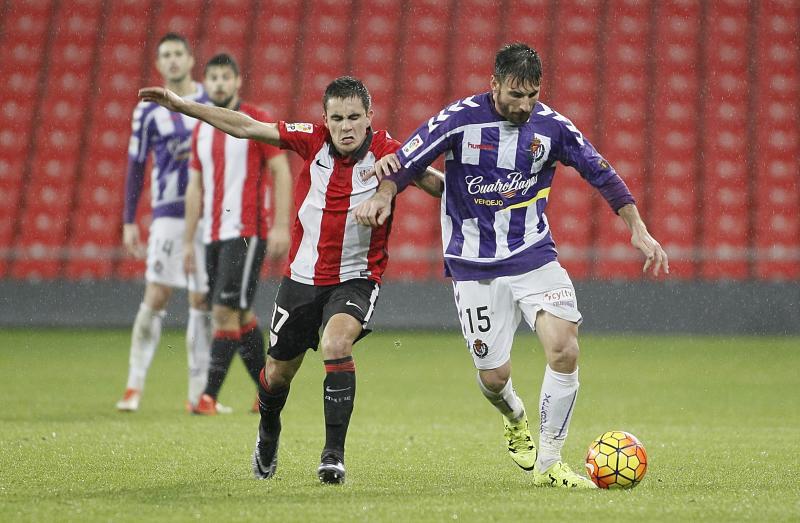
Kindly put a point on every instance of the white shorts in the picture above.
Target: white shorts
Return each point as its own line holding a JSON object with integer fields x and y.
{"x": 165, "y": 256}
{"x": 490, "y": 310}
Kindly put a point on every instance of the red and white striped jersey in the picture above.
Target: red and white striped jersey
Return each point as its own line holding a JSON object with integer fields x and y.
{"x": 328, "y": 246}
{"x": 235, "y": 180}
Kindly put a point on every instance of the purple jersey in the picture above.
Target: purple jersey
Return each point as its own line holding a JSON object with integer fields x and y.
{"x": 497, "y": 181}
{"x": 169, "y": 136}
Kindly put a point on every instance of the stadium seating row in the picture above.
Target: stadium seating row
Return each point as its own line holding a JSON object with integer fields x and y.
{"x": 695, "y": 103}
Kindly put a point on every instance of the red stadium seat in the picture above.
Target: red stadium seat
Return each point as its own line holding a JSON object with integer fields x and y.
{"x": 476, "y": 41}
{"x": 378, "y": 56}
{"x": 325, "y": 36}
{"x": 272, "y": 63}
{"x": 179, "y": 16}
{"x": 421, "y": 89}
{"x": 227, "y": 28}
{"x": 623, "y": 113}
{"x": 27, "y": 22}
{"x": 127, "y": 23}
{"x": 523, "y": 23}
{"x": 777, "y": 193}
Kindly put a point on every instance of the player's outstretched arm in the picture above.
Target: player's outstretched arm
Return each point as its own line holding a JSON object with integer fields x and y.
{"x": 234, "y": 123}
{"x": 655, "y": 256}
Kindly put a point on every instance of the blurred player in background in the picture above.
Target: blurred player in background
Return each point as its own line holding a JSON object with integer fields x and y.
{"x": 168, "y": 136}
{"x": 228, "y": 181}
{"x": 335, "y": 265}
{"x": 501, "y": 149}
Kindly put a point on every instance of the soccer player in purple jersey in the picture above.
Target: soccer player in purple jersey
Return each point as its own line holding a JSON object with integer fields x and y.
{"x": 168, "y": 136}
{"x": 501, "y": 149}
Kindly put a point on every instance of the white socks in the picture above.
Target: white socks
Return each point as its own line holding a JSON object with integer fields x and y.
{"x": 144, "y": 339}
{"x": 506, "y": 401}
{"x": 198, "y": 351}
{"x": 556, "y": 404}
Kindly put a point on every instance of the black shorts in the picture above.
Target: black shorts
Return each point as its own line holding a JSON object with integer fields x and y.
{"x": 300, "y": 310}
{"x": 233, "y": 268}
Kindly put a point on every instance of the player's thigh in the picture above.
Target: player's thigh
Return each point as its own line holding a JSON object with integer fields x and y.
{"x": 549, "y": 289}
{"x": 489, "y": 318}
{"x": 225, "y": 318}
{"x": 156, "y": 295}
{"x": 296, "y": 319}
{"x": 559, "y": 337}
{"x": 198, "y": 279}
{"x": 340, "y": 333}
{"x": 356, "y": 298}
{"x": 165, "y": 253}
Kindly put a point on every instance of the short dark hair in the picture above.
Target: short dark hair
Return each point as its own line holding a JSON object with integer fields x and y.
{"x": 174, "y": 37}
{"x": 518, "y": 61}
{"x": 347, "y": 87}
{"x": 222, "y": 60}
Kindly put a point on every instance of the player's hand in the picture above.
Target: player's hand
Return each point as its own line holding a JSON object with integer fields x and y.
{"x": 387, "y": 165}
{"x": 132, "y": 241}
{"x": 278, "y": 242}
{"x": 161, "y": 96}
{"x": 189, "y": 260}
{"x": 375, "y": 211}
{"x": 655, "y": 256}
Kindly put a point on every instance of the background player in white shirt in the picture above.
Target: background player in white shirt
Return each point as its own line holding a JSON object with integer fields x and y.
{"x": 501, "y": 149}
{"x": 228, "y": 181}
{"x": 167, "y": 136}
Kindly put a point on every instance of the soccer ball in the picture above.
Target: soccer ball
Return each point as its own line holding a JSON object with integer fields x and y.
{"x": 616, "y": 459}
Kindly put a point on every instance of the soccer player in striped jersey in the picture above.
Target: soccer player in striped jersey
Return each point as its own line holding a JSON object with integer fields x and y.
{"x": 500, "y": 150}
{"x": 167, "y": 136}
{"x": 228, "y": 181}
{"x": 335, "y": 265}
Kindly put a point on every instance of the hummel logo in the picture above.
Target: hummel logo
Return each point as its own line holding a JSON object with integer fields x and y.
{"x": 320, "y": 164}
{"x": 227, "y": 295}
{"x": 354, "y": 305}
{"x": 328, "y": 389}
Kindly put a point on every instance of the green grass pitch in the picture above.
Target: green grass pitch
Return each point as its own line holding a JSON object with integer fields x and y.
{"x": 720, "y": 418}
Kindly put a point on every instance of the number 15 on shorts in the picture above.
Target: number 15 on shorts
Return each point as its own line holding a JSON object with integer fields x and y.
{"x": 477, "y": 318}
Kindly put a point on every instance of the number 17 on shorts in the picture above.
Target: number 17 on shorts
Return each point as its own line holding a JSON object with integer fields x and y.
{"x": 488, "y": 322}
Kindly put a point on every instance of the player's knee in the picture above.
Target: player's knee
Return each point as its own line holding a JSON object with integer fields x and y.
{"x": 335, "y": 347}
{"x": 197, "y": 300}
{"x": 156, "y": 296}
{"x": 564, "y": 355}
{"x": 223, "y": 316}
{"x": 495, "y": 380}
{"x": 278, "y": 378}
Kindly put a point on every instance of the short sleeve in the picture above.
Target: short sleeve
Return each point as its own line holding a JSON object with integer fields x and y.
{"x": 138, "y": 145}
{"x": 302, "y": 138}
{"x": 385, "y": 145}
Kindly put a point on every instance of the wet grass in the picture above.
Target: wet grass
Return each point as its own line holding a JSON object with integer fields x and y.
{"x": 718, "y": 416}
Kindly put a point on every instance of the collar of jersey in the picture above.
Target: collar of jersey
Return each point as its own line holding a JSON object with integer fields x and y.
{"x": 357, "y": 155}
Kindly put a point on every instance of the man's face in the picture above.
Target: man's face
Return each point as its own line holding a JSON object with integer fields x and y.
{"x": 174, "y": 61}
{"x": 222, "y": 85}
{"x": 514, "y": 100}
{"x": 347, "y": 120}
